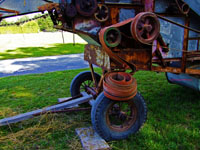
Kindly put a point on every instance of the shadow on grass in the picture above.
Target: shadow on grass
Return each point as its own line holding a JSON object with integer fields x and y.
{"x": 50, "y": 50}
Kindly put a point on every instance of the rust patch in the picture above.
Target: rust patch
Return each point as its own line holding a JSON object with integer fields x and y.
{"x": 49, "y": 7}
{"x": 10, "y": 11}
{"x": 96, "y": 55}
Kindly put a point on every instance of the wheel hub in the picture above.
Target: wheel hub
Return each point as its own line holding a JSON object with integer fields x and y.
{"x": 121, "y": 116}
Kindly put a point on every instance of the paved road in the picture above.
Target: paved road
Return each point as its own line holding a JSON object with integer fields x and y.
{"x": 13, "y": 67}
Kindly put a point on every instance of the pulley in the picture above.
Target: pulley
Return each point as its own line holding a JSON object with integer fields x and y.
{"x": 102, "y": 13}
{"x": 112, "y": 37}
{"x": 119, "y": 86}
{"x": 183, "y": 7}
{"x": 86, "y": 7}
{"x": 145, "y": 27}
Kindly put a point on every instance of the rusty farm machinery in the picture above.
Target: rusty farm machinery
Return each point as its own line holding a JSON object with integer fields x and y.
{"x": 123, "y": 36}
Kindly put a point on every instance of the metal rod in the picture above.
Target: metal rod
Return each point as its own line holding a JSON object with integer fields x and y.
{"x": 63, "y": 100}
{"x": 63, "y": 37}
{"x": 185, "y": 45}
{"x": 93, "y": 76}
{"x": 194, "y": 30}
{"x": 28, "y": 115}
{"x": 64, "y": 111}
{"x": 74, "y": 42}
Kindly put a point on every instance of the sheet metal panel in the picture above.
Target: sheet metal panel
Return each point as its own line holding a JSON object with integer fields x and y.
{"x": 173, "y": 35}
{"x": 194, "y": 4}
{"x": 162, "y": 5}
{"x": 22, "y": 6}
{"x": 184, "y": 80}
{"x": 125, "y": 14}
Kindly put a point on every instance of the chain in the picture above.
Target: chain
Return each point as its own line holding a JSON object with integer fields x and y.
{"x": 24, "y": 21}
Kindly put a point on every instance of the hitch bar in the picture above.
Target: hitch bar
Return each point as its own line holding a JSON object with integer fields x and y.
{"x": 68, "y": 104}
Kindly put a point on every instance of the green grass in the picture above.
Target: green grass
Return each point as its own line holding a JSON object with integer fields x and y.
{"x": 173, "y": 114}
{"x": 51, "y": 50}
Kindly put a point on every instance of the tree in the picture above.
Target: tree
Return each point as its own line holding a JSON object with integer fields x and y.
{"x": 45, "y": 24}
{"x": 3, "y": 22}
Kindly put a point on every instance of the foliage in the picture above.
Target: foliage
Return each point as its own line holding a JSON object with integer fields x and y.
{"x": 45, "y": 24}
{"x": 3, "y": 22}
{"x": 25, "y": 18}
{"x": 30, "y": 27}
{"x": 51, "y": 50}
{"x": 173, "y": 114}
{"x": 42, "y": 24}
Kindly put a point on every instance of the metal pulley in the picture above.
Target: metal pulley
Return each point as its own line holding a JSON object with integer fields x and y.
{"x": 119, "y": 86}
{"x": 86, "y": 7}
{"x": 145, "y": 27}
{"x": 183, "y": 7}
{"x": 112, "y": 37}
{"x": 102, "y": 13}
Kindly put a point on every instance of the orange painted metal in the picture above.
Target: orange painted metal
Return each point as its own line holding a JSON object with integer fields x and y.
{"x": 185, "y": 46}
{"x": 151, "y": 28}
{"x": 119, "y": 86}
{"x": 110, "y": 53}
{"x": 49, "y": 7}
{"x": 10, "y": 11}
{"x": 176, "y": 70}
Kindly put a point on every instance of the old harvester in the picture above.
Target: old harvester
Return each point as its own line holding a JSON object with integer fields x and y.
{"x": 123, "y": 36}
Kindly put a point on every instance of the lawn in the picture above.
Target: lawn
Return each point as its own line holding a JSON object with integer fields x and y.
{"x": 173, "y": 114}
{"x": 51, "y": 50}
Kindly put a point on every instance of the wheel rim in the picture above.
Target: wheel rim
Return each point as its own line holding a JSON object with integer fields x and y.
{"x": 112, "y": 37}
{"x": 86, "y": 84}
{"x": 102, "y": 13}
{"x": 120, "y": 116}
{"x": 86, "y": 7}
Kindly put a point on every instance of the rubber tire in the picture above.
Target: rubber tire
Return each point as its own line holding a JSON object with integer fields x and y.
{"x": 98, "y": 117}
{"x": 79, "y": 79}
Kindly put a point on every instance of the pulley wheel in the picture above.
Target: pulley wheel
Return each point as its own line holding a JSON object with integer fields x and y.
{"x": 102, "y": 13}
{"x": 112, "y": 37}
{"x": 145, "y": 27}
{"x": 119, "y": 86}
{"x": 86, "y": 7}
{"x": 185, "y": 8}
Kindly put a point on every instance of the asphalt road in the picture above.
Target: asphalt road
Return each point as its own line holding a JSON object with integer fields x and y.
{"x": 14, "y": 67}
